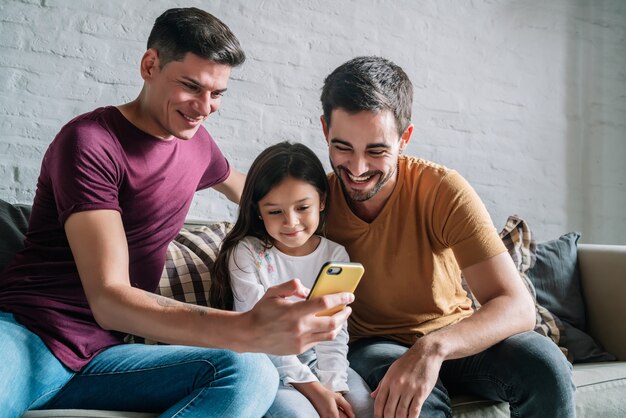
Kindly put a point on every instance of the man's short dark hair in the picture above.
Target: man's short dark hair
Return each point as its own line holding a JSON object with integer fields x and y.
{"x": 372, "y": 84}
{"x": 179, "y": 31}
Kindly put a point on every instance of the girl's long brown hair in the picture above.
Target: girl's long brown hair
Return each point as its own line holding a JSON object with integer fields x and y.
{"x": 268, "y": 170}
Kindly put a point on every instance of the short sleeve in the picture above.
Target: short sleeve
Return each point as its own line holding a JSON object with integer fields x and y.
{"x": 82, "y": 165}
{"x": 342, "y": 255}
{"x": 245, "y": 278}
{"x": 461, "y": 222}
{"x": 218, "y": 168}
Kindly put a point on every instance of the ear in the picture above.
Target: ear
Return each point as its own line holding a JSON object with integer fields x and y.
{"x": 149, "y": 63}
{"x": 406, "y": 136}
{"x": 324, "y": 127}
{"x": 322, "y": 202}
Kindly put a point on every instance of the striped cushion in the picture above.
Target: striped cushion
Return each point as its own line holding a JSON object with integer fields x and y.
{"x": 188, "y": 261}
{"x": 189, "y": 257}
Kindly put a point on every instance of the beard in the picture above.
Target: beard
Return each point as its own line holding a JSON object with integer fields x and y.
{"x": 363, "y": 195}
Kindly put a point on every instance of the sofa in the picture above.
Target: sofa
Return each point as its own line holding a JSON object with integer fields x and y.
{"x": 601, "y": 385}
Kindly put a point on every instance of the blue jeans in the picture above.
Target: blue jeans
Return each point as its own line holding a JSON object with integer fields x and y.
{"x": 526, "y": 370}
{"x": 182, "y": 381}
{"x": 290, "y": 402}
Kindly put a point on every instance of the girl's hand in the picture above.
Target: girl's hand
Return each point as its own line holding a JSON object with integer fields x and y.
{"x": 327, "y": 403}
{"x": 345, "y": 410}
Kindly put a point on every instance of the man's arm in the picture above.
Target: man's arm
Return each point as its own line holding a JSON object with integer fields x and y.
{"x": 275, "y": 325}
{"x": 232, "y": 187}
{"x": 507, "y": 309}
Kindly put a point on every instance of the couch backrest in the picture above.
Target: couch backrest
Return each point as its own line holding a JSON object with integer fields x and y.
{"x": 603, "y": 276}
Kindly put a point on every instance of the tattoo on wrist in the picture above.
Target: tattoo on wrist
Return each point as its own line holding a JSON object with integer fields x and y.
{"x": 169, "y": 303}
{"x": 195, "y": 308}
{"x": 165, "y": 302}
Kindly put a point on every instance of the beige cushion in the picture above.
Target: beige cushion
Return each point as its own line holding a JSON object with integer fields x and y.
{"x": 600, "y": 393}
{"x": 603, "y": 275}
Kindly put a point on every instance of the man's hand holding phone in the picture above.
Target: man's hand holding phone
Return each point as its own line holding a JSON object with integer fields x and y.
{"x": 277, "y": 325}
{"x": 280, "y": 326}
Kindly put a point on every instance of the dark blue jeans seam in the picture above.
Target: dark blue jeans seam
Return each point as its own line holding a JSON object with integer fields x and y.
{"x": 56, "y": 389}
{"x": 181, "y": 410}
{"x": 162, "y": 366}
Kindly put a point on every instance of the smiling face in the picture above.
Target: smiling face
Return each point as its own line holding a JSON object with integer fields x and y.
{"x": 291, "y": 215}
{"x": 364, "y": 149}
{"x": 177, "y": 98}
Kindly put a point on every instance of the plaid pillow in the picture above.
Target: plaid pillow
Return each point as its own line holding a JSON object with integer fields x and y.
{"x": 188, "y": 261}
{"x": 517, "y": 238}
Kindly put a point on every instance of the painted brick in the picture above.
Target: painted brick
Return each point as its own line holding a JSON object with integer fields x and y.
{"x": 525, "y": 99}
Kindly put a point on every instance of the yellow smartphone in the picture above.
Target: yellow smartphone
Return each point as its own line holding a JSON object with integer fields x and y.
{"x": 336, "y": 277}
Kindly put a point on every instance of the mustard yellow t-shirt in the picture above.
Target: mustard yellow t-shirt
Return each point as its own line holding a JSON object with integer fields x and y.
{"x": 433, "y": 225}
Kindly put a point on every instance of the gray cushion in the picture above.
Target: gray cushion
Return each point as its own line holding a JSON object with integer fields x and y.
{"x": 582, "y": 347}
{"x": 556, "y": 279}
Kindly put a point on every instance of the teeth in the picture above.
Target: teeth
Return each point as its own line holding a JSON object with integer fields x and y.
{"x": 190, "y": 119}
{"x": 361, "y": 179}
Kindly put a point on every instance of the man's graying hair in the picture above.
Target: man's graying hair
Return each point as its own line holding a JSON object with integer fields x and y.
{"x": 371, "y": 84}
{"x": 179, "y": 31}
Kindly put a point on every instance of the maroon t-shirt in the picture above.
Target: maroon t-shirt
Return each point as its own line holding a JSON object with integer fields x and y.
{"x": 99, "y": 160}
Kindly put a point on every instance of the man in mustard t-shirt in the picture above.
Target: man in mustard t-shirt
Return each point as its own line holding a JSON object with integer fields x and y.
{"x": 416, "y": 226}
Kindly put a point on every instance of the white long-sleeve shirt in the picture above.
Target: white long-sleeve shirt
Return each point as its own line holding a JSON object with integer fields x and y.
{"x": 253, "y": 269}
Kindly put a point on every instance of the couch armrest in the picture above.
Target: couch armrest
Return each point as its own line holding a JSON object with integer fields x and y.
{"x": 603, "y": 276}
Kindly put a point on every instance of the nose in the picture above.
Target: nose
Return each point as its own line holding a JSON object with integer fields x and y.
{"x": 358, "y": 166}
{"x": 206, "y": 104}
{"x": 291, "y": 218}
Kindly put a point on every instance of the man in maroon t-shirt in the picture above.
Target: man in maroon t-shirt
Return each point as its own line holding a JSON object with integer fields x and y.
{"x": 114, "y": 189}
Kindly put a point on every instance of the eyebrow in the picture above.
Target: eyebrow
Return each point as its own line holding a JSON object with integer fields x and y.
{"x": 368, "y": 146}
{"x": 200, "y": 86}
{"x": 299, "y": 201}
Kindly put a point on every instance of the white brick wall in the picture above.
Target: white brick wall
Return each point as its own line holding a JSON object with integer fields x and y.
{"x": 526, "y": 99}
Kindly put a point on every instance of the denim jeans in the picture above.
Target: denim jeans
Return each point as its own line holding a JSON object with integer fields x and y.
{"x": 526, "y": 370}
{"x": 290, "y": 402}
{"x": 181, "y": 381}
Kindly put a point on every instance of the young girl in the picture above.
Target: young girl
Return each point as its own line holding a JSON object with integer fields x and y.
{"x": 277, "y": 238}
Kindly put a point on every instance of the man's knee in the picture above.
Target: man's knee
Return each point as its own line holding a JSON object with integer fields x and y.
{"x": 261, "y": 370}
{"x": 254, "y": 374}
{"x": 249, "y": 381}
{"x": 541, "y": 364}
{"x": 541, "y": 376}
{"x": 247, "y": 368}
